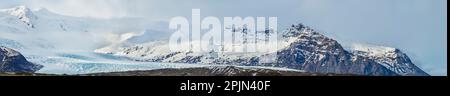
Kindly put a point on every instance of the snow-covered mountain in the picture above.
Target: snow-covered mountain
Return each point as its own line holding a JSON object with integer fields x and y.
{"x": 300, "y": 47}
{"x": 25, "y": 28}
{"x": 390, "y": 58}
{"x": 24, "y": 19}
{"x": 23, "y": 13}
{"x": 13, "y": 61}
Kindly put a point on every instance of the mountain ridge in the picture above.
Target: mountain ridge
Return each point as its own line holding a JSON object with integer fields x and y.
{"x": 13, "y": 61}
{"x": 305, "y": 49}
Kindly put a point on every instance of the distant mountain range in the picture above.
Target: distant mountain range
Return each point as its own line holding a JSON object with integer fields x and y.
{"x": 303, "y": 49}
{"x": 300, "y": 47}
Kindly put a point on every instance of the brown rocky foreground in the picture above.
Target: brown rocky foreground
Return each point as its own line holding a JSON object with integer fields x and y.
{"x": 200, "y": 71}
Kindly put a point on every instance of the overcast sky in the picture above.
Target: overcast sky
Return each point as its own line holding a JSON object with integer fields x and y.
{"x": 417, "y": 27}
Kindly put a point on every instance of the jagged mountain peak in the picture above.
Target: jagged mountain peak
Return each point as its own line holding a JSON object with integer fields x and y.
{"x": 314, "y": 44}
{"x": 301, "y": 36}
{"x": 391, "y": 58}
{"x": 8, "y": 52}
{"x": 23, "y": 13}
{"x": 373, "y": 50}
{"x": 388, "y": 54}
{"x": 18, "y": 9}
{"x": 24, "y": 19}
{"x": 294, "y": 30}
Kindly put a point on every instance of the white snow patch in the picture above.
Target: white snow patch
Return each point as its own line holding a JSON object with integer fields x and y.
{"x": 372, "y": 50}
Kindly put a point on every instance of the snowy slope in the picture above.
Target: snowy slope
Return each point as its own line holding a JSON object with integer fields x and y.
{"x": 391, "y": 58}
{"x": 41, "y": 29}
{"x": 39, "y": 20}
{"x": 24, "y": 19}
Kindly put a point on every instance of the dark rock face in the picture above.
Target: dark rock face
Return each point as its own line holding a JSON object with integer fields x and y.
{"x": 314, "y": 52}
{"x": 13, "y": 61}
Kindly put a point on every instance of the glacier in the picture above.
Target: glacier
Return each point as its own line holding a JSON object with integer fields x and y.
{"x": 78, "y": 64}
